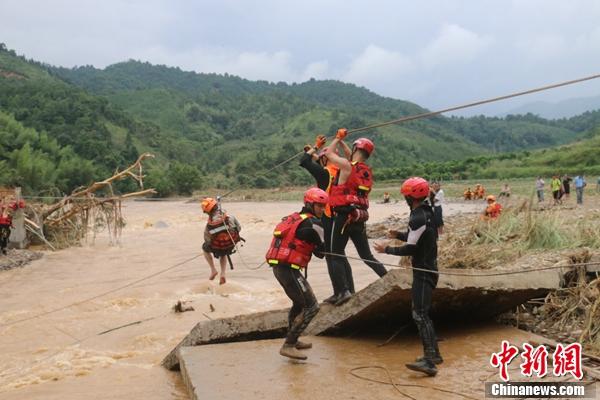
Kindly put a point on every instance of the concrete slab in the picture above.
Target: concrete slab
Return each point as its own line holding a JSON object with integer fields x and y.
{"x": 263, "y": 325}
{"x": 386, "y": 301}
{"x": 255, "y": 370}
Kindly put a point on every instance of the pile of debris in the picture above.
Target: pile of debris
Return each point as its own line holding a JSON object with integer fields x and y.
{"x": 521, "y": 232}
{"x": 18, "y": 258}
{"x": 569, "y": 314}
{"x": 86, "y": 210}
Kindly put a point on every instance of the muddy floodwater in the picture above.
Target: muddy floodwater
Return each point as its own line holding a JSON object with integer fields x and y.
{"x": 63, "y": 355}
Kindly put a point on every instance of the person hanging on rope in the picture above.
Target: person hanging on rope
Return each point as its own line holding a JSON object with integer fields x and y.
{"x": 349, "y": 201}
{"x": 221, "y": 234}
{"x": 421, "y": 245}
{"x": 316, "y": 163}
{"x": 295, "y": 239}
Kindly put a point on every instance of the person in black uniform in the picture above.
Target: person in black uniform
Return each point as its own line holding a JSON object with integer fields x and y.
{"x": 349, "y": 200}
{"x": 295, "y": 239}
{"x": 421, "y": 245}
{"x": 324, "y": 173}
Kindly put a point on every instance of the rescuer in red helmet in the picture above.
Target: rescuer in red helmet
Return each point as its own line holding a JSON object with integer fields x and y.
{"x": 315, "y": 161}
{"x": 421, "y": 245}
{"x": 295, "y": 239}
{"x": 349, "y": 200}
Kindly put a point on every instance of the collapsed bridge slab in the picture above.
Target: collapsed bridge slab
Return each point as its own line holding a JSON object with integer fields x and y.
{"x": 385, "y": 301}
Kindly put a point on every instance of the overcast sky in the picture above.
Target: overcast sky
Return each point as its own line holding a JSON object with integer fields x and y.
{"x": 434, "y": 53}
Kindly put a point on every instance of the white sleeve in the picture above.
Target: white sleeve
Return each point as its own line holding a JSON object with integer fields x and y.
{"x": 439, "y": 196}
{"x": 320, "y": 232}
{"x": 414, "y": 236}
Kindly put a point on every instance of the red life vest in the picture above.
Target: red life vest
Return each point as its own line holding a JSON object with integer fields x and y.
{"x": 355, "y": 191}
{"x": 286, "y": 248}
{"x": 222, "y": 237}
{"x": 5, "y": 217}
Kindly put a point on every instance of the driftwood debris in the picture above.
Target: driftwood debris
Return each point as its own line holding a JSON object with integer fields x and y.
{"x": 88, "y": 209}
{"x": 181, "y": 307}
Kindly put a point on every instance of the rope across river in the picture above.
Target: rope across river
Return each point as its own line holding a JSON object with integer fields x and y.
{"x": 438, "y": 112}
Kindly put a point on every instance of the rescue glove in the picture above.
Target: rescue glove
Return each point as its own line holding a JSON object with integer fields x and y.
{"x": 341, "y": 133}
{"x": 320, "y": 141}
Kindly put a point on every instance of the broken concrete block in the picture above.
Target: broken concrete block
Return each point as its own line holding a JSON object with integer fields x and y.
{"x": 385, "y": 301}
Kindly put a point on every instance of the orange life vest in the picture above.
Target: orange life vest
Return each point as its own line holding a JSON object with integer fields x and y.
{"x": 285, "y": 247}
{"x": 222, "y": 237}
{"x": 493, "y": 210}
{"x": 333, "y": 172}
{"x": 355, "y": 191}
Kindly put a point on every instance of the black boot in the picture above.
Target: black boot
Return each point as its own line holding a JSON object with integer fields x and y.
{"x": 331, "y": 299}
{"x": 343, "y": 297}
{"x": 423, "y": 365}
{"x": 437, "y": 359}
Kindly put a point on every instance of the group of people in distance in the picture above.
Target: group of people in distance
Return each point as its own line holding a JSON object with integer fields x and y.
{"x": 333, "y": 213}
{"x": 561, "y": 188}
{"x": 478, "y": 193}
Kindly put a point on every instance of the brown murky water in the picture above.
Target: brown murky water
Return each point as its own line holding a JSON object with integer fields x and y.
{"x": 350, "y": 368}
{"x": 61, "y": 355}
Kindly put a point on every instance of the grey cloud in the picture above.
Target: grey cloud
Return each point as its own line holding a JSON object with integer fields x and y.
{"x": 435, "y": 53}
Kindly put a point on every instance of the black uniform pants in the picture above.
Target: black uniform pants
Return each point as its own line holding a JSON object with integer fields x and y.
{"x": 4, "y": 235}
{"x": 341, "y": 276}
{"x": 327, "y": 225}
{"x": 304, "y": 306}
{"x": 422, "y": 291}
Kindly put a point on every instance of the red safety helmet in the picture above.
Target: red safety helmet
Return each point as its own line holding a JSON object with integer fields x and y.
{"x": 417, "y": 188}
{"x": 364, "y": 144}
{"x": 316, "y": 195}
{"x": 208, "y": 204}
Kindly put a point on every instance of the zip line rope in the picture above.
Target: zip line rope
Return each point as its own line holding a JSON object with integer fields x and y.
{"x": 445, "y": 272}
{"x": 101, "y": 294}
{"x": 445, "y": 110}
{"x": 449, "y": 273}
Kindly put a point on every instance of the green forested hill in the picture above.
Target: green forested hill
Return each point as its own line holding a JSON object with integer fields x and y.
{"x": 221, "y": 130}
{"x": 580, "y": 157}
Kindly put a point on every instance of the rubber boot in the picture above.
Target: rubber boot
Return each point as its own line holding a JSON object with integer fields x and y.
{"x": 423, "y": 365}
{"x": 343, "y": 297}
{"x": 437, "y": 359}
{"x": 435, "y": 355}
{"x": 303, "y": 345}
{"x": 289, "y": 350}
